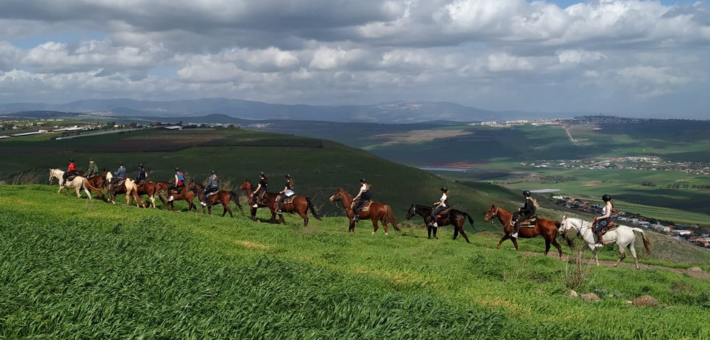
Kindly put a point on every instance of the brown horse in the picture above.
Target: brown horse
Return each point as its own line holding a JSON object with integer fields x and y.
{"x": 222, "y": 196}
{"x": 376, "y": 212}
{"x": 543, "y": 227}
{"x": 263, "y": 199}
{"x": 150, "y": 189}
{"x": 455, "y": 217}
{"x": 185, "y": 194}
{"x": 127, "y": 187}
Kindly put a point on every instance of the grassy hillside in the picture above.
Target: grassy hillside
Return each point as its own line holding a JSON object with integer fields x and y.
{"x": 318, "y": 167}
{"x": 85, "y": 269}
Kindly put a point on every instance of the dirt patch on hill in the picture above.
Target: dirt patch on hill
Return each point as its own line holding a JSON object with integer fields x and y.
{"x": 418, "y": 136}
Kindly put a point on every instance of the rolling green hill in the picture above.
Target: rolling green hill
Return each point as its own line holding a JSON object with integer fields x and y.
{"x": 74, "y": 268}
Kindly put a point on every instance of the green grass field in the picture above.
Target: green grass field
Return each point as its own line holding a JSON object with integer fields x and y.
{"x": 74, "y": 268}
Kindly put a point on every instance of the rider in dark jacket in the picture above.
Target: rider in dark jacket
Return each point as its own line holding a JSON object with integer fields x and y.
{"x": 363, "y": 196}
{"x": 141, "y": 175}
{"x": 286, "y": 192}
{"x": 263, "y": 184}
{"x": 212, "y": 186}
{"x": 528, "y": 210}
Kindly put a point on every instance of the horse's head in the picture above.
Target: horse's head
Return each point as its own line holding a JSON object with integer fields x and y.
{"x": 491, "y": 213}
{"x": 337, "y": 196}
{"x": 245, "y": 186}
{"x": 411, "y": 212}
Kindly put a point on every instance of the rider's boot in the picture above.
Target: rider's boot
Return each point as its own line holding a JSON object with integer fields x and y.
{"x": 204, "y": 204}
{"x": 600, "y": 242}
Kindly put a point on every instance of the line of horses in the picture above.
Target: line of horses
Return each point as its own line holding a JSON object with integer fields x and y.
{"x": 376, "y": 212}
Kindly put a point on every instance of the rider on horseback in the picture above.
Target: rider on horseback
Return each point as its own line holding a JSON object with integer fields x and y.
{"x": 362, "y": 196}
{"x": 603, "y": 220}
{"x": 286, "y": 192}
{"x": 141, "y": 175}
{"x": 71, "y": 170}
{"x": 263, "y": 183}
{"x": 527, "y": 211}
{"x": 439, "y": 206}
{"x": 211, "y": 186}
{"x": 93, "y": 169}
{"x": 178, "y": 184}
{"x": 119, "y": 175}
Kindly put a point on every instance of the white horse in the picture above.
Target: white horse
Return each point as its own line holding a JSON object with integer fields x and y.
{"x": 623, "y": 236}
{"x": 77, "y": 183}
{"x": 131, "y": 189}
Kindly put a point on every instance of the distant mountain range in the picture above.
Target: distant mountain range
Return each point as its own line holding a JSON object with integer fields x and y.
{"x": 398, "y": 112}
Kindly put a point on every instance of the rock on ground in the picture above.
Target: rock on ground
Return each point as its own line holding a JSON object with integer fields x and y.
{"x": 589, "y": 297}
{"x": 646, "y": 300}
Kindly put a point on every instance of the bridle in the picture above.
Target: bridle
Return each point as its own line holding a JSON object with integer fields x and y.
{"x": 490, "y": 217}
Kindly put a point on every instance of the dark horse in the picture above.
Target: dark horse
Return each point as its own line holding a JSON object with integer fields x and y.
{"x": 455, "y": 217}
{"x": 376, "y": 212}
{"x": 184, "y": 194}
{"x": 543, "y": 227}
{"x": 299, "y": 204}
{"x": 221, "y": 196}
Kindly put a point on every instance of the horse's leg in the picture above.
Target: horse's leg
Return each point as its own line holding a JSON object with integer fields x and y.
{"x": 253, "y": 212}
{"x": 505, "y": 237}
{"x": 557, "y": 245}
{"x": 632, "y": 249}
{"x": 622, "y": 255}
{"x": 456, "y": 232}
{"x": 428, "y": 231}
{"x": 547, "y": 246}
{"x": 515, "y": 242}
{"x": 78, "y": 191}
{"x": 384, "y": 222}
{"x": 374, "y": 225}
{"x": 303, "y": 214}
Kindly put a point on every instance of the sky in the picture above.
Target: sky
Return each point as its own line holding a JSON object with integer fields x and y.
{"x": 625, "y": 57}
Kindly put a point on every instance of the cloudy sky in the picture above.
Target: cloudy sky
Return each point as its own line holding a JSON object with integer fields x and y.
{"x": 635, "y": 58}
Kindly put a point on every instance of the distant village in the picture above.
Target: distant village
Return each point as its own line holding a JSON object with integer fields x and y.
{"x": 695, "y": 234}
{"x": 649, "y": 163}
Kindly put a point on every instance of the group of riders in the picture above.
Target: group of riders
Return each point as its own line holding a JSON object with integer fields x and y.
{"x": 527, "y": 211}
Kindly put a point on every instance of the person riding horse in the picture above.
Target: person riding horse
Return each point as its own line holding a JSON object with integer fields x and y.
{"x": 178, "y": 184}
{"x": 286, "y": 192}
{"x": 263, "y": 184}
{"x": 527, "y": 211}
{"x": 119, "y": 175}
{"x": 212, "y": 186}
{"x": 142, "y": 175}
{"x": 439, "y": 206}
{"x": 71, "y": 170}
{"x": 362, "y": 196}
{"x": 604, "y": 220}
{"x": 93, "y": 169}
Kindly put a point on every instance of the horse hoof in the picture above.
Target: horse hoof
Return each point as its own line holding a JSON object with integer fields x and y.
{"x": 373, "y": 233}
{"x": 386, "y": 234}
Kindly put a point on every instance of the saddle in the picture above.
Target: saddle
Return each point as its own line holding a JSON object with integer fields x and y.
{"x": 527, "y": 223}
{"x": 287, "y": 200}
{"x": 443, "y": 214}
{"x": 212, "y": 193}
{"x": 609, "y": 227}
{"x": 364, "y": 207}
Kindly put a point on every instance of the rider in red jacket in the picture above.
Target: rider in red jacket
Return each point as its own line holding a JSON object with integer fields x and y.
{"x": 71, "y": 170}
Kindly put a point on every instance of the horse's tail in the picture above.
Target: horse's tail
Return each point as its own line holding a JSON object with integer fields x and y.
{"x": 234, "y": 197}
{"x": 88, "y": 185}
{"x": 390, "y": 217}
{"x": 470, "y": 220}
{"x": 646, "y": 241}
{"x": 313, "y": 210}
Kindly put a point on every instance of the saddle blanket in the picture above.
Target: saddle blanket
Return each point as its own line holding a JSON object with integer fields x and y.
{"x": 443, "y": 214}
{"x": 364, "y": 207}
{"x": 529, "y": 223}
{"x": 611, "y": 226}
{"x": 288, "y": 199}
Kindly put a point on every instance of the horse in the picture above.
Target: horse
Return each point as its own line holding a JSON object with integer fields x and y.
{"x": 455, "y": 217}
{"x": 266, "y": 199}
{"x": 128, "y": 187}
{"x": 150, "y": 189}
{"x": 98, "y": 181}
{"x": 184, "y": 194}
{"x": 375, "y": 212}
{"x": 543, "y": 227}
{"x": 221, "y": 196}
{"x": 77, "y": 183}
{"x": 623, "y": 236}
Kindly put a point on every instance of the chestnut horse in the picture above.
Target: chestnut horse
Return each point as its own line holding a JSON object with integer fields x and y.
{"x": 128, "y": 187}
{"x": 150, "y": 189}
{"x": 264, "y": 199}
{"x": 222, "y": 196}
{"x": 543, "y": 227}
{"x": 185, "y": 194}
{"x": 455, "y": 217}
{"x": 376, "y": 212}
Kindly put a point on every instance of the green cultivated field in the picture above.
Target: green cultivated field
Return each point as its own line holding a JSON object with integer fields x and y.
{"x": 74, "y": 268}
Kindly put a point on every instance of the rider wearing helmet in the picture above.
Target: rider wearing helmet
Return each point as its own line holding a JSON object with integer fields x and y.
{"x": 141, "y": 175}
{"x": 71, "y": 169}
{"x": 286, "y": 192}
{"x": 439, "y": 206}
{"x": 263, "y": 183}
{"x": 178, "y": 184}
{"x": 212, "y": 186}
{"x": 528, "y": 210}
{"x": 362, "y": 196}
{"x": 603, "y": 220}
{"x": 93, "y": 169}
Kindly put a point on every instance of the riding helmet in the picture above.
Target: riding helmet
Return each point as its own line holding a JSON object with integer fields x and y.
{"x": 177, "y": 169}
{"x": 288, "y": 176}
{"x": 140, "y": 165}
{"x": 91, "y": 159}
{"x": 606, "y": 198}
{"x": 444, "y": 189}
{"x": 527, "y": 193}
{"x": 362, "y": 180}
{"x": 261, "y": 173}
{"x": 120, "y": 163}
{"x": 71, "y": 160}
{"x": 214, "y": 172}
